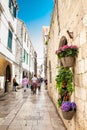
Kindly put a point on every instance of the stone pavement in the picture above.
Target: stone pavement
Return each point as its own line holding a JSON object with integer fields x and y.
{"x": 25, "y": 111}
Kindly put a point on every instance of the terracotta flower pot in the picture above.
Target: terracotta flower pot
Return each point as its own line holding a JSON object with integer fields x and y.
{"x": 68, "y": 115}
{"x": 68, "y": 61}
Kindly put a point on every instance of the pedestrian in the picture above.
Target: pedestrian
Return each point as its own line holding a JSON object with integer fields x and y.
{"x": 45, "y": 83}
{"x": 39, "y": 84}
{"x": 28, "y": 81}
{"x": 15, "y": 83}
{"x": 30, "y": 85}
{"x": 25, "y": 82}
{"x": 34, "y": 84}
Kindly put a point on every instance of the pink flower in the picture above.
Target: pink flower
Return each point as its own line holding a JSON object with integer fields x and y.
{"x": 65, "y": 47}
{"x": 73, "y": 47}
{"x": 67, "y": 50}
{"x": 58, "y": 51}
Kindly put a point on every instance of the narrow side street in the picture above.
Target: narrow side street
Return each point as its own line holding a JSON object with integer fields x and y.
{"x": 25, "y": 111}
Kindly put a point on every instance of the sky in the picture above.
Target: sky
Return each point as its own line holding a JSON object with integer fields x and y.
{"x": 35, "y": 14}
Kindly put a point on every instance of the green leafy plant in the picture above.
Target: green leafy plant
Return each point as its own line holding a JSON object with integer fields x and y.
{"x": 64, "y": 84}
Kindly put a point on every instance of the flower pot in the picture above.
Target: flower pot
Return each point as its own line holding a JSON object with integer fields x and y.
{"x": 68, "y": 115}
{"x": 68, "y": 61}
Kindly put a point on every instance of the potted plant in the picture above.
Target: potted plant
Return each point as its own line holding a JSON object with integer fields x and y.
{"x": 68, "y": 109}
{"x": 64, "y": 84}
{"x": 67, "y": 54}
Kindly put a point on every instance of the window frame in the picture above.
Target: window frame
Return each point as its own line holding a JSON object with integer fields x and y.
{"x": 10, "y": 39}
{"x": 12, "y": 8}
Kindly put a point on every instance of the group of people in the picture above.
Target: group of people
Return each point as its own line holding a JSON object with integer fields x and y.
{"x": 34, "y": 83}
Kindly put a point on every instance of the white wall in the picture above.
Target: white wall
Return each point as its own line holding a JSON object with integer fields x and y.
{"x": 7, "y": 17}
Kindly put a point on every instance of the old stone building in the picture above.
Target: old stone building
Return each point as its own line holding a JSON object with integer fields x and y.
{"x": 28, "y": 52}
{"x": 69, "y": 19}
{"x": 45, "y": 33}
{"x": 17, "y": 54}
{"x": 8, "y": 10}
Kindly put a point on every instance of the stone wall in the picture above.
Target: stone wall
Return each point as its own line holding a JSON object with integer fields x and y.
{"x": 70, "y": 15}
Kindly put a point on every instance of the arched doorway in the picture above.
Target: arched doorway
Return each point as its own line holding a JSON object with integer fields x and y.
{"x": 8, "y": 73}
{"x": 63, "y": 41}
{"x": 8, "y": 77}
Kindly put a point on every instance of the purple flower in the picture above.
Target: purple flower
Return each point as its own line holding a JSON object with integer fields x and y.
{"x": 67, "y": 106}
{"x": 73, "y": 105}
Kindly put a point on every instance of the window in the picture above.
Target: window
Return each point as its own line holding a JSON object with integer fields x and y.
{"x": 12, "y": 8}
{"x": 9, "y": 39}
{"x": 14, "y": 12}
{"x": 27, "y": 43}
{"x": 25, "y": 57}
{"x": 25, "y": 37}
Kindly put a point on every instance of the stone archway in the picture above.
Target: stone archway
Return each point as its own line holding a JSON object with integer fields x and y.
{"x": 63, "y": 41}
{"x": 8, "y": 77}
{"x": 8, "y": 73}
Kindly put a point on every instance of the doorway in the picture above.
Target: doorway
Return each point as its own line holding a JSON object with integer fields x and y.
{"x": 8, "y": 77}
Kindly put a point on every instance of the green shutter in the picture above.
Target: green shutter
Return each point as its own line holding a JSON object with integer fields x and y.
{"x": 10, "y": 40}
{"x": 14, "y": 12}
{"x": 27, "y": 58}
{"x": 9, "y": 3}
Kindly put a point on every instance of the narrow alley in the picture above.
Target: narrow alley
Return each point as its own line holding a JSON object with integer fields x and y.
{"x": 25, "y": 111}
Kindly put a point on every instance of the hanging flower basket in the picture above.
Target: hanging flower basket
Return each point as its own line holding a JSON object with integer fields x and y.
{"x": 68, "y": 61}
{"x": 68, "y": 115}
{"x": 68, "y": 109}
{"x": 67, "y": 50}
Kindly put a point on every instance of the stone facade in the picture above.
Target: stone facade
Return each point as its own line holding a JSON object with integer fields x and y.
{"x": 28, "y": 53}
{"x": 45, "y": 33}
{"x": 17, "y": 52}
{"x": 7, "y": 43}
{"x": 70, "y": 16}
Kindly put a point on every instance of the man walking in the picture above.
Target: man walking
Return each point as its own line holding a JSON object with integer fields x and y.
{"x": 15, "y": 83}
{"x": 34, "y": 84}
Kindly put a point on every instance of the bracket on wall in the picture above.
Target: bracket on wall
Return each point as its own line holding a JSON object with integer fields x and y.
{"x": 70, "y": 34}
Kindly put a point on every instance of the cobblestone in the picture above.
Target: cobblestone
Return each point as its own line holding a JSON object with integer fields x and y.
{"x": 25, "y": 111}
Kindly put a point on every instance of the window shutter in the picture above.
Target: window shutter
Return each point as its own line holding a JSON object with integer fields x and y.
{"x": 27, "y": 58}
{"x": 14, "y": 12}
{"x": 10, "y": 3}
{"x": 10, "y": 39}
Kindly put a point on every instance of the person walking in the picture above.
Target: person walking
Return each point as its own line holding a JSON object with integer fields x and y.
{"x": 39, "y": 83}
{"x": 15, "y": 83}
{"x": 34, "y": 84}
{"x": 25, "y": 83}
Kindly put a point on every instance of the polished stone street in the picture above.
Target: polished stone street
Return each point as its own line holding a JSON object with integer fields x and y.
{"x": 25, "y": 111}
